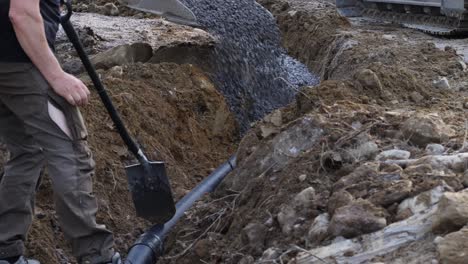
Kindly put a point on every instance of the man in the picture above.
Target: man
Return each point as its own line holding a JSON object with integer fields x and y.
{"x": 40, "y": 123}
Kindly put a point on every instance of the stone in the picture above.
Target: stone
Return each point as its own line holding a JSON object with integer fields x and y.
{"x": 441, "y": 83}
{"x": 268, "y": 130}
{"x": 302, "y": 177}
{"x": 121, "y": 55}
{"x": 287, "y": 218}
{"x": 435, "y": 149}
{"x": 275, "y": 118}
{"x": 116, "y": 72}
{"x": 339, "y": 199}
{"x": 93, "y": 8}
{"x": 423, "y": 129}
{"x": 367, "y": 171}
{"x": 254, "y": 235}
{"x": 393, "y": 239}
{"x": 357, "y": 218}
{"x": 453, "y": 248}
{"x": 110, "y": 9}
{"x": 416, "y": 97}
{"x": 452, "y": 212}
{"x": 462, "y": 65}
{"x": 271, "y": 254}
{"x": 365, "y": 151}
{"x": 388, "y": 37}
{"x": 419, "y": 203}
{"x": 306, "y": 198}
{"x": 393, "y": 154}
{"x": 392, "y": 192}
{"x": 318, "y": 231}
{"x": 368, "y": 80}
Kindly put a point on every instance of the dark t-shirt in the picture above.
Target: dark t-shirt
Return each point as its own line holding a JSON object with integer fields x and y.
{"x": 10, "y": 49}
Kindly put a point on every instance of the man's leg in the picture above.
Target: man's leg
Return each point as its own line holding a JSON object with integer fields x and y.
{"x": 70, "y": 165}
{"x": 17, "y": 186}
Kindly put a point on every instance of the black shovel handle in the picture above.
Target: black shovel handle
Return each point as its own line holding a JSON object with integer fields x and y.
{"x": 74, "y": 39}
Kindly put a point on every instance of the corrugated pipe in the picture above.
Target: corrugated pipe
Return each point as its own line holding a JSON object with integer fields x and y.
{"x": 150, "y": 246}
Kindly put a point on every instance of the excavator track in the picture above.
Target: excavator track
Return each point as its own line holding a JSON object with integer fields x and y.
{"x": 411, "y": 17}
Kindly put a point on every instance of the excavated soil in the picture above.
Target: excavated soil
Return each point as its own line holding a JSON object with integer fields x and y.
{"x": 374, "y": 77}
{"x": 175, "y": 112}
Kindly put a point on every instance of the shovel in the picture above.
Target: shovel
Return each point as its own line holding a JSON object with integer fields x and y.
{"x": 172, "y": 10}
{"x": 148, "y": 182}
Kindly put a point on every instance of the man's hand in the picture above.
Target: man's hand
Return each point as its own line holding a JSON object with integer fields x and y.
{"x": 70, "y": 88}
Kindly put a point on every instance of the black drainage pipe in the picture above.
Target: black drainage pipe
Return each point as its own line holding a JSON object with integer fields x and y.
{"x": 150, "y": 246}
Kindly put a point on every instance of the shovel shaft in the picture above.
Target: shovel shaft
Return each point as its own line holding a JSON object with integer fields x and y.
{"x": 74, "y": 39}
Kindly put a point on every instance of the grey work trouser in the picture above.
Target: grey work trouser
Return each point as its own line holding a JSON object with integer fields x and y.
{"x": 34, "y": 138}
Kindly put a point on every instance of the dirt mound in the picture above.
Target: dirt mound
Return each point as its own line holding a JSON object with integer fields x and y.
{"x": 178, "y": 116}
{"x": 348, "y": 159}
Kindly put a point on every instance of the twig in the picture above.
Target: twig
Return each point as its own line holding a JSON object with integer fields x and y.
{"x": 198, "y": 238}
{"x": 307, "y": 252}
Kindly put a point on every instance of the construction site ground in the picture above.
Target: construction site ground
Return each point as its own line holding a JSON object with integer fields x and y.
{"x": 317, "y": 181}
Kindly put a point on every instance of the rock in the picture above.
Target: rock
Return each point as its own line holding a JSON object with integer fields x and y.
{"x": 305, "y": 199}
{"x": 435, "y": 149}
{"x": 93, "y": 8}
{"x": 416, "y": 97}
{"x": 419, "y": 203}
{"x": 318, "y": 231}
{"x": 399, "y": 237}
{"x": 421, "y": 169}
{"x": 423, "y": 129}
{"x": 442, "y": 83}
{"x": 452, "y": 212}
{"x": 393, "y": 154}
{"x": 392, "y": 192}
{"x": 271, "y": 254}
{"x": 38, "y": 212}
{"x": 110, "y": 9}
{"x": 124, "y": 54}
{"x": 388, "y": 37}
{"x": 357, "y": 218}
{"x": 254, "y": 235}
{"x": 453, "y": 248}
{"x": 116, "y": 72}
{"x": 462, "y": 65}
{"x": 365, "y": 151}
{"x": 275, "y": 118}
{"x": 287, "y": 218}
{"x": 302, "y": 177}
{"x": 368, "y": 79}
{"x": 366, "y": 171}
{"x": 268, "y": 130}
{"x": 339, "y": 199}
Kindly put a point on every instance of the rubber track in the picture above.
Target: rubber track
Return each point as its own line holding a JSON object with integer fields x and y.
{"x": 433, "y": 25}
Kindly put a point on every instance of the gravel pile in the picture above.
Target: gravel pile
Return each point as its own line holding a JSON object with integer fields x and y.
{"x": 249, "y": 65}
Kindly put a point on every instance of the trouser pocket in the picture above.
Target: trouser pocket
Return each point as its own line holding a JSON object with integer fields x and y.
{"x": 73, "y": 124}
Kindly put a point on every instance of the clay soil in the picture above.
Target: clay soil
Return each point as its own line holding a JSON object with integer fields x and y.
{"x": 175, "y": 112}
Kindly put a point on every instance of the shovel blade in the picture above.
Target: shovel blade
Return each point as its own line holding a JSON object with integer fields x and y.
{"x": 172, "y": 10}
{"x": 151, "y": 192}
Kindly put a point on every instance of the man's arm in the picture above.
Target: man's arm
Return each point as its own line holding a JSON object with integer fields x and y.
{"x": 28, "y": 24}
